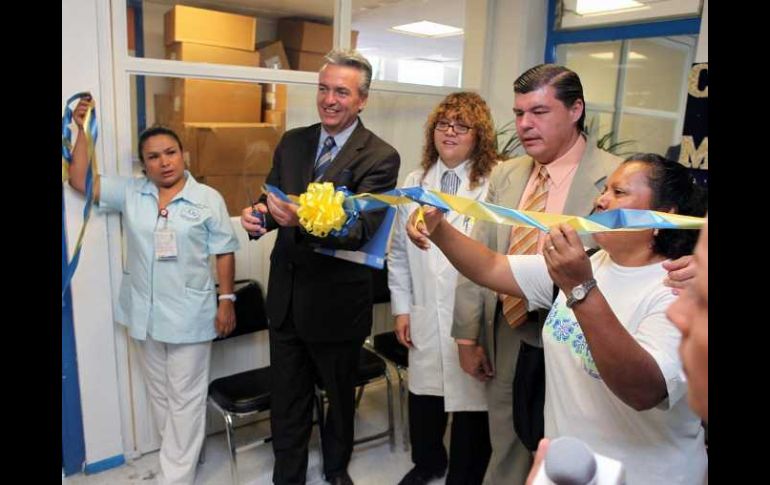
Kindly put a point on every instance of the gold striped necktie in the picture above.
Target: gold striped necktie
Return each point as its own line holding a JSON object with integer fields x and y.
{"x": 524, "y": 241}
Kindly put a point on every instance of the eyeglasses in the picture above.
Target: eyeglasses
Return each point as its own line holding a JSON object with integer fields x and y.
{"x": 457, "y": 127}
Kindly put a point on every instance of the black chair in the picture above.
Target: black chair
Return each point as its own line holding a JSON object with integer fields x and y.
{"x": 387, "y": 346}
{"x": 247, "y": 393}
{"x": 371, "y": 368}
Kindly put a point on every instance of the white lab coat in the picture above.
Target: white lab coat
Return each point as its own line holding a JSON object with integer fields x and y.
{"x": 422, "y": 284}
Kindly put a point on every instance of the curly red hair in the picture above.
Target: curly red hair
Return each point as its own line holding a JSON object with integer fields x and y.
{"x": 469, "y": 109}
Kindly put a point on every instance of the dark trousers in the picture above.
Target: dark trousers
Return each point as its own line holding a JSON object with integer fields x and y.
{"x": 469, "y": 448}
{"x": 295, "y": 367}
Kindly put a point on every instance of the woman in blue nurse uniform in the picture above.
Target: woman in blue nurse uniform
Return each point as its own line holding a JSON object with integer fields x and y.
{"x": 168, "y": 298}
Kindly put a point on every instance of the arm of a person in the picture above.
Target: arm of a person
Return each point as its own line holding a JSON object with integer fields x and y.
{"x": 222, "y": 243}
{"x": 681, "y": 272}
{"x": 381, "y": 178}
{"x": 274, "y": 179}
{"x": 626, "y": 367}
{"x": 469, "y": 308}
{"x": 225, "y": 318}
{"x": 467, "y": 321}
{"x": 469, "y": 297}
{"x": 400, "y": 271}
{"x": 542, "y": 449}
{"x": 471, "y": 258}
{"x": 78, "y": 169}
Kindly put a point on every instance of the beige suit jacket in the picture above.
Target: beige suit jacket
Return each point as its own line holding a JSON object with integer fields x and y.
{"x": 474, "y": 311}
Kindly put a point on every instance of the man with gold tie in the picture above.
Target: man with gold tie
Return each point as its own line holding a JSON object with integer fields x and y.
{"x": 562, "y": 172}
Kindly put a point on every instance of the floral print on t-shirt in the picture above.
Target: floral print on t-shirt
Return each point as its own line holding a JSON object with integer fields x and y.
{"x": 565, "y": 330}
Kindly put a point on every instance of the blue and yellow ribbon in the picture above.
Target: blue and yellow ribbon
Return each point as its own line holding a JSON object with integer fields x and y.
{"x": 613, "y": 220}
{"x": 91, "y": 132}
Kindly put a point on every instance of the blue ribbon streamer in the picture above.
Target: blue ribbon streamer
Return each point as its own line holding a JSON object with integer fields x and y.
{"x": 93, "y": 132}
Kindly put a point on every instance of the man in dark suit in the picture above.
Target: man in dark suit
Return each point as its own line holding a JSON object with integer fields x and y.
{"x": 320, "y": 307}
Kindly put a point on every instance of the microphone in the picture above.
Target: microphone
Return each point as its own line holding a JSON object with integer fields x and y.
{"x": 569, "y": 461}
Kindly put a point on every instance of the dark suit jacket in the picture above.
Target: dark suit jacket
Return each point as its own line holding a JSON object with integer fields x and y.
{"x": 330, "y": 299}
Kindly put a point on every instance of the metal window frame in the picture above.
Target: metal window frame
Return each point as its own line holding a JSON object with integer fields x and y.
{"x": 622, "y": 33}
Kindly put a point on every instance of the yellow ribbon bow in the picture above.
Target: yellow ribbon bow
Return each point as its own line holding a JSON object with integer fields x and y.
{"x": 320, "y": 209}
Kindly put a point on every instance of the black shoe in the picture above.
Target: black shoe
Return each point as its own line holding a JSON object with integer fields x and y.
{"x": 341, "y": 479}
{"x": 417, "y": 476}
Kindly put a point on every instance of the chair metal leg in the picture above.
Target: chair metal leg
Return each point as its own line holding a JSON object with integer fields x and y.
{"x": 359, "y": 395}
{"x": 391, "y": 425}
{"x": 404, "y": 407}
{"x": 229, "y": 428}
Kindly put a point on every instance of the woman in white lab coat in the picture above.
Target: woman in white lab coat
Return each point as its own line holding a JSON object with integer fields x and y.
{"x": 459, "y": 154}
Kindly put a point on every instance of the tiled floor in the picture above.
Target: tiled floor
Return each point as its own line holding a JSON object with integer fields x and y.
{"x": 371, "y": 464}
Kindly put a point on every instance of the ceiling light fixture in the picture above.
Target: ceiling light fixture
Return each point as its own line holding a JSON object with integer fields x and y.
{"x": 425, "y": 28}
{"x": 604, "y": 7}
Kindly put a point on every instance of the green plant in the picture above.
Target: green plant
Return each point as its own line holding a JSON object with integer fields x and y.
{"x": 605, "y": 142}
{"x": 512, "y": 144}
{"x": 509, "y": 139}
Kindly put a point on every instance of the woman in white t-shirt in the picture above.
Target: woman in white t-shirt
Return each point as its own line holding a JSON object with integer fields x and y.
{"x": 613, "y": 372}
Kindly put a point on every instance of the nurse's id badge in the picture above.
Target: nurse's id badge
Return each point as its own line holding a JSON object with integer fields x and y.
{"x": 165, "y": 245}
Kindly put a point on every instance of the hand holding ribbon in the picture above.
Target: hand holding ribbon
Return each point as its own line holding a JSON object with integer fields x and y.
{"x": 84, "y": 116}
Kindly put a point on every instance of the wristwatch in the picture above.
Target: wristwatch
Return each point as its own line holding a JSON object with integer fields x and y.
{"x": 228, "y": 296}
{"x": 579, "y": 292}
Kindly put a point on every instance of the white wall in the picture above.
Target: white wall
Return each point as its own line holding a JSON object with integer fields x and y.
{"x": 518, "y": 43}
{"x": 503, "y": 38}
{"x": 702, "y": 49}
{"x": 91, "y": 289}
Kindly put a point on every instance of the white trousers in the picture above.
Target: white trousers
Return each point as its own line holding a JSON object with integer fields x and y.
{"x": 177, "y": 377}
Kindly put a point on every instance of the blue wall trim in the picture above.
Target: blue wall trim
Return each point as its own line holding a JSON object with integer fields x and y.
{"x": 634, "y": 31}
{"x": 105, "y": 464}
{"x": 141, "y": 110}
{"x": 73, "y": 443}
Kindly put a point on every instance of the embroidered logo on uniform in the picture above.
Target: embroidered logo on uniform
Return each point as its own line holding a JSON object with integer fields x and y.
{"x": 190, "y": 213}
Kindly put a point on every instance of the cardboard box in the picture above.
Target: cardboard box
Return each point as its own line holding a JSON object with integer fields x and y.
{"x": 210, "y": 27}
{"x": 203, "y": 101}
{"x": 187, "y": 51}
{"x": 131, "y": 27}
{"x": 231, "y": 148}
{"x": 302, "y": 35}
{"x": 272, "y": 55}
{"x": 187, "y": 137}
{"x": 164, "y": 109}
{"x": 305, "y": 61}
{"x": 235, "y": 189}
{"x": 274, "y": 97}
{"x": 276, "y": 117}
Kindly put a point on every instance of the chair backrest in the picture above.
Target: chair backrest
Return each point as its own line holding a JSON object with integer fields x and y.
{"x": 249, "y": 309}
{"x": 381, "y": 292}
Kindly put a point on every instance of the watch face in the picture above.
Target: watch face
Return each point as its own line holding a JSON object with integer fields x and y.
{"x": 579, "y": 292}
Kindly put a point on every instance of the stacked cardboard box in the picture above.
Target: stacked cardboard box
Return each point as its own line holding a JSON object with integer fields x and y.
{"x": 272, "y": 55}
{"x": 307, "y": 43}
{"x": 202, "y": 101}
{"x": 200, "y": 35}
{"x": 191, "y": 52}
{"x": 226, "y": 145}
{"x": 233, "y": 158}
{"x": 210, "y": 27}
